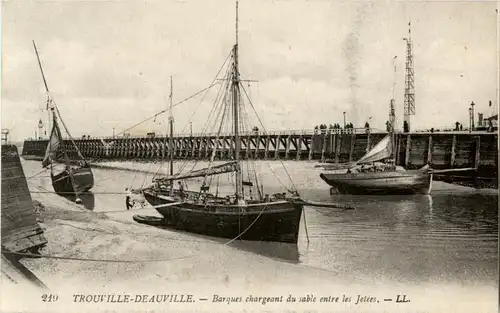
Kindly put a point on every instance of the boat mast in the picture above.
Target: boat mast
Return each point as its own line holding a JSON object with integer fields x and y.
{"x": 236, "y": 98}
{"x": 48, "y": 105}
{"x": 55, "y": 125}
{"x": 171, "y": 122}
{"x": 392, "y": 112}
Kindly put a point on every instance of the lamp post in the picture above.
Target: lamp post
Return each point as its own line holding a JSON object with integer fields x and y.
{"x": 40, "y": 127}
{"x": 344, "y": 120}
{"x": 471, "y": 119}
{"x": 472, "y": 104}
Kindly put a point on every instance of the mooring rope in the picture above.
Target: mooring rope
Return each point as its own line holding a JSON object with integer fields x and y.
{"x": 42, "y": 171}
{"x": 72, "y": 193}
{"x": 48, "y": 256}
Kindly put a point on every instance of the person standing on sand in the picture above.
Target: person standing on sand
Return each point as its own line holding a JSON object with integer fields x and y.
{"x": 128, "y": 199}
{"x": 181, "y": 190}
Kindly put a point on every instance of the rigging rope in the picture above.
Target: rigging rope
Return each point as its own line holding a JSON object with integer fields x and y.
{"x": 185, "y": 164}
{"x": 182, "y": 167}
{"x": 47, "y": 256}
{"x": 33, "y": 176}
{"x": 67, "y": 131}
{"x": 156, "y": 114}
{"x": 260, "y": 121}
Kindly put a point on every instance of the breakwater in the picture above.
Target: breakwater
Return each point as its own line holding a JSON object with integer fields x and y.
{"x": 20, "y": 230}
{"x": 413, "y": 150}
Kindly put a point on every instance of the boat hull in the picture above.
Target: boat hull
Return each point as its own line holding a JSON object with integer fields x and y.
{"x": 82, "y": 177}
{"x": 380, "y": 183}
{"x": 275, "y": 221}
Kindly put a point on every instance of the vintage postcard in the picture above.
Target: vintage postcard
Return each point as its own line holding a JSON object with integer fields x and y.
{"x": 249, "y": 156}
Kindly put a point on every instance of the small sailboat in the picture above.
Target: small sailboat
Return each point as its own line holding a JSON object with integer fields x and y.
{"x": 68, "y": 177}
{"x": 243, "y": 213}
{"x": 369, "y": 176}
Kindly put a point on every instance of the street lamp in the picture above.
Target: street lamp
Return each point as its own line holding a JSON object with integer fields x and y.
{"x": 344, "y": 120}
{"x": 472, "y": 104}
{"x": 471, "y": 119}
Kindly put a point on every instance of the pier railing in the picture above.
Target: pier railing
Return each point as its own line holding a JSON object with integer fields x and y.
{"x": 441, "y": 150}
{"x": 294, "y": 132}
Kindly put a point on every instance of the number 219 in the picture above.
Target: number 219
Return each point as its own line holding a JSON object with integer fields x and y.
{"x": 49, "y": 298}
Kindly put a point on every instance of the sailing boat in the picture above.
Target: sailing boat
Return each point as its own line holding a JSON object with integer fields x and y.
{"x": 369, "y": 176}
{"x": 240, "y": 214}
{"x": 68, "y": 178}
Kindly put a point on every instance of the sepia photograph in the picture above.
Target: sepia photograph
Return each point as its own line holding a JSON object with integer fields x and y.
{"x": 249, "y": 156}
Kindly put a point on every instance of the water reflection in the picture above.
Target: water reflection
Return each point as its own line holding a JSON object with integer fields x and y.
{"x": 88, "y": 199}
{"x": 276, "y": 250}
{"x": 284, "y": 251}
{"x": 476, "y": 212}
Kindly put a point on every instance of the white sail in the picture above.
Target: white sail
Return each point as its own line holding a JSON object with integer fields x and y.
{"x": 382, "y": 150}
{"x": 53, "y": 144}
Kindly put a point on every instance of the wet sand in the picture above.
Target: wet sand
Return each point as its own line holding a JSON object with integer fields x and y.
{"x": 177, "y": 262}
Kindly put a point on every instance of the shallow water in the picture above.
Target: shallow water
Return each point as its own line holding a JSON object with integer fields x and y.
{"x": 450, "y": 236}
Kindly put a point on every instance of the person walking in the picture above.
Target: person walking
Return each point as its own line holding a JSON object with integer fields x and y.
{"x": 128, "y": 199}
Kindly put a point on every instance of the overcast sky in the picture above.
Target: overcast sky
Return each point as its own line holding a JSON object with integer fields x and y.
{"x": 108, "y": 63}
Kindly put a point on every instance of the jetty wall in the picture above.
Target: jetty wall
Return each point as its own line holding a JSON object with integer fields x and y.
{"x": 20, "y": 230}
{"x": 441, "y": 150}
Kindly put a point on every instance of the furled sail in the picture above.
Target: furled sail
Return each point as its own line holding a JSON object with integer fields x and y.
{"x": 53, "y": 144}
{"x": 382, "y": 150}
{"x": 208, "y": 171}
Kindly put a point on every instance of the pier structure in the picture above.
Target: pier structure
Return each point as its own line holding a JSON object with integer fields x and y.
{"x": 441, "y": 150}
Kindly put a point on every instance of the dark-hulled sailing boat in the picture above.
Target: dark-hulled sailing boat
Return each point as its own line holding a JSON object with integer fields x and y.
{"x": 241, "y": 214}
{"x": 68, "y": 177}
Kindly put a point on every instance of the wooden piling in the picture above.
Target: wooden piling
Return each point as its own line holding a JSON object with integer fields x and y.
{"x": 429, "y": 151}
{"x": 338, "y": 143}
{"x": 257, "y": 146}
{"x": 278, "y": 144}
{"x": 299, "y": 147}
{"x": 323, "y": 148}
{"x": 267, "y": 147}
{"x": 368, "y": 142}
{"x": 351, "y": 150}
{"x": 407, "y": 154}
{"x": 331, "y": 144}
{"x": 398, "y": 148}
{"x": 288, "y": 144}
{"x": 247, "y": 147}
{"x": 478, "y": 151}
{"x": 311, "y": 146}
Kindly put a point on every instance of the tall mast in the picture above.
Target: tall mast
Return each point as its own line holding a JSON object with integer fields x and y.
{"x": 171, "y": 122}
{"x": 236, "y": 103}
{"x": 49, "y": 103}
